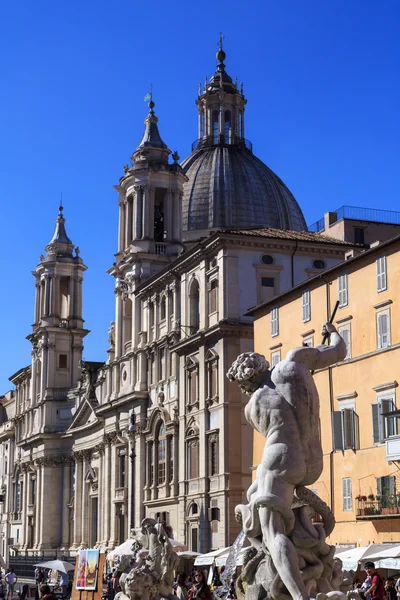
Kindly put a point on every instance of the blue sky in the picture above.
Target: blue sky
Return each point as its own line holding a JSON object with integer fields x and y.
{"x": 321, "y": 79}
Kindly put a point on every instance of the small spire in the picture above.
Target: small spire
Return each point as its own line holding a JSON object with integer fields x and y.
{"x": 151, "y": 137}
{"x": 60, "y": 244}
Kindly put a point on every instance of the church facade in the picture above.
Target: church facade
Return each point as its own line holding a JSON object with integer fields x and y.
{"x": 89, "y": 449}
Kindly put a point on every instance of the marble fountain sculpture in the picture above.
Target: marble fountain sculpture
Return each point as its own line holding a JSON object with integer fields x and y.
{"x": 149, "y": 576}
{"x": 289, "y": 557}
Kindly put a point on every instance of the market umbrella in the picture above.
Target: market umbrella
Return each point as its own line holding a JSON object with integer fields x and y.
{"x": 125, "y": 549}
{"x": 392, "y": 552}
{"x": 57, "y": 565}
{"x": 351, "y": 558}
{"x": 188, "y": 554}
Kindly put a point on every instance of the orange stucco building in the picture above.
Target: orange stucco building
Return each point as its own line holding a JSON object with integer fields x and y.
{"x": 358, "y": 396}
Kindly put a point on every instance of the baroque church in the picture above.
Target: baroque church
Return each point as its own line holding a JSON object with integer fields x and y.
{"x": 88, "y": 449}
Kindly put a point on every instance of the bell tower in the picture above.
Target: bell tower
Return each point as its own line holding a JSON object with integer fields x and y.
{"x": 58, "y": 331}
{"x": 150, "y": 227}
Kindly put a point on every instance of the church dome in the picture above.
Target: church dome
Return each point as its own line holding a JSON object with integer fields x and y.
{"x": 229, "y": 187}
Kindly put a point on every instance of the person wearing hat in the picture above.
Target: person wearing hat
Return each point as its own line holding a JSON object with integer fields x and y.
{"x": 377, "y": 588}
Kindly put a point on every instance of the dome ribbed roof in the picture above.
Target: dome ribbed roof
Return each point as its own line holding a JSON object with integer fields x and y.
{"x": 230, "y": 187}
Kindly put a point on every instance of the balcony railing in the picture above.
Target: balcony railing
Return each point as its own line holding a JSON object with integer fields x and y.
{"x": 377, "y": 506}
{"x": 358, "y": 213}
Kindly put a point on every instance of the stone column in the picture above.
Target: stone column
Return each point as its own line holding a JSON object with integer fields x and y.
{"x": 37, "y": 302}
{"x": 145, "y": 210}
{"x": 43, "y": 383}
{"x": 24, "y": 507}
{"x": 66, "y": 498}
{"x": 33, "y": 379}
{"x": 118, "y": 324}
{"x": 106, "y": 493}
{"x": 85, "y": 501}
{"x": 121, "y": 227}
{"x": 112, "y": 516}
{"x": 99, "y": 534}
{"x": 39, "y": 501}
{"x": 78, "y": 500}
{"x": 139, "y": 212}
{"x": 46, "y": 294}
{"x": 175, "y": 479}
{"x": 150, "y": 213}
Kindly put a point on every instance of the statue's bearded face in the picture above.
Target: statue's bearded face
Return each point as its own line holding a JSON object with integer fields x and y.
{"x": 249, "y": 386}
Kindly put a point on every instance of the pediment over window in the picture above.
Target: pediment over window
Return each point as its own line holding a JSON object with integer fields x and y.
{"x": 191, "y": 363}
{"x": 192, "y": 429}
{"x": 211, "y": 355}
{"x": 85, "y": 416}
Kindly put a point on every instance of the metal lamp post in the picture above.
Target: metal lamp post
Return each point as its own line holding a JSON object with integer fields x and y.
{"x": 132, "y": 456}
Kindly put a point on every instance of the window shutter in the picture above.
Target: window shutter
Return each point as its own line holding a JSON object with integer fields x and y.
{"x": 337, "y": 430}
{"x": 383, "y": 330}
{"x": 345, "y": 334}
{"x": 379, "y": 486}
{"x": 306, "y": 306}
{"x": 376, "y": 418}
{"x": 356, "y": 429}
{"x": 347, "y": 428}
{"x": 342, "y": 283}
{"x": 346, "y": 493}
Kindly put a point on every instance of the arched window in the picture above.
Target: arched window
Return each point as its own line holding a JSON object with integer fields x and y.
{"x": 194, "y": 306}
{"x": 228, "y": 127}
{"x": 162, "y": 454}
{"x": 215, "y": 126}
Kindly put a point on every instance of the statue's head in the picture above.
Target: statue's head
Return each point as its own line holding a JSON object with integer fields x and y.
{"x": 249, "y": 371}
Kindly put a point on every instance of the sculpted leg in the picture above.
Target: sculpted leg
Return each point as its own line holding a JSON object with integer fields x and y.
{"x": 282, "y": 552}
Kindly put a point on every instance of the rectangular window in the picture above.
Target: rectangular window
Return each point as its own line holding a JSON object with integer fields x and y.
{"x": 344, "y": 332}
{"x": 275, "y": 358}
{"x": 308, "y": 341}
{"x": 193, "y": 460}
{"x": 62, "y": 361}
{"x": 213, "y": 460}
{"x": 268, "y": 282}
{"x": 347, "y": 494}
{"x": 306, "y": 301}
{"x": 274, "y": 322}
{"x": 342, "y": 291}
{"x": 161, "y": 364}
{"x": 122, "y": 471}
{"x": 192, "y": 386}
{"x": 383, "y": 427}
{"x": 383, "y": 329}
{"x": 345, "y": 429}
{"x": 212, "y": 296}
{"x": 381, "y": 274}
{"x": 359, "y": 235}
{"x": 386, "y": 489}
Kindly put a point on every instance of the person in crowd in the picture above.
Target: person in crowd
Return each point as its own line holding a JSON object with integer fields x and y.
{"x": 46, "y": 592}
{"x": 199, "y": 589}
{"x": 377, "y": 588}
{"x": 24, "y": 592}
{"x": 181, "y": 588}
{"x": 2, "y": 589}
{"x": 11, "y": 580}
{"x": 397, "y": 587}
{"x": 64, "y": 579}
{"x": 365, "y": 586}
{"x": 115, "y": 581}
{"x": 391, "y": 593}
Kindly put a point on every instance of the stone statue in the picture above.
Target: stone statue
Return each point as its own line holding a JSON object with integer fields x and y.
{"x": 111, "y": 334}
{"x": 153, "y": 568}
{"x": 288, "y": 558}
